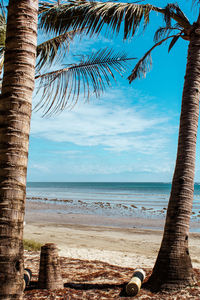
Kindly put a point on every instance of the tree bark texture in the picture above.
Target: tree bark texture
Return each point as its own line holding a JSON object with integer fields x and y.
{"x": 15, "y": 115}
{"x": 173, "y": 268}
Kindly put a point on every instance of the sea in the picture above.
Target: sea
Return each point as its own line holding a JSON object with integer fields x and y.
{"x": 123, "y": 199}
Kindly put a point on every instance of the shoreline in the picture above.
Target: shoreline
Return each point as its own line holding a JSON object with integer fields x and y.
{"x": 119, "y": 241}
{"x": 53, "y": 212}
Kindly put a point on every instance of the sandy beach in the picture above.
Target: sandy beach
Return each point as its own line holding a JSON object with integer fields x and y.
{"x": 99, "y": 253}
{"x": 123, "y": 242}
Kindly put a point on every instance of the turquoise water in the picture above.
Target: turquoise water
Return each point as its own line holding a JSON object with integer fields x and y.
{"x": 147, "y": 200}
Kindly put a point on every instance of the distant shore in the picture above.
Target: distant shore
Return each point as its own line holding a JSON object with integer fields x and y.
{"x": 121, "y": 241}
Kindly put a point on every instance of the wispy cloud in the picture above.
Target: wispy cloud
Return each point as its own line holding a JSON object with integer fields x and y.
{"x": 90, "y": 166}
{"x": 68, "y": 152}
{"x": 40, "y": 167}
{"x": 114, "y": 127}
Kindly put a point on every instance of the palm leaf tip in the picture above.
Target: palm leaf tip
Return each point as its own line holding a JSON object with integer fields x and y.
{"x": 141, "y": 68}
{"x": 163, "y": 32}
{"x": 145, "y": 63}
{"x": 173, "y": 41}
{"x": 62, "y": 88}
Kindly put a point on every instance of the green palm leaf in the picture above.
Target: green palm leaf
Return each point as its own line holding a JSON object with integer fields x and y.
{"x": 48, "y": 51}
{"x": 2, "y": 25}
{"x": 62, "y": 88}
{"x": 2, "y": 11}
{"x": 93, "y": 15}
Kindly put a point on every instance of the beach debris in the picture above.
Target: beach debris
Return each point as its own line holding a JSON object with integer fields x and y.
{"x": 50, "y": 270}
{"x": 125, "y": 207}
{"x": 134, "y": 285}
{"x": 134, "y": 206}
{"x": 27, "y": 277}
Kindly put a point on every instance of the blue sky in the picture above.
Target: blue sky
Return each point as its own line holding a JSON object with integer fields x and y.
{"x": 130, "y": 133}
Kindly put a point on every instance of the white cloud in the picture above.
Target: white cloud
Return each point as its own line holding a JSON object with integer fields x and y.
{"x": 101, "y": 168}
{"x": 40, "y": 167}
{"x": 114, "y": 127}
{"x": 106, "y": 169}
{"x": 68, "y": 152}
{"x": 95, "y": 167}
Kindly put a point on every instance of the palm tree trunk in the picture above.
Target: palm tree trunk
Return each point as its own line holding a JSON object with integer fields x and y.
{"x": 15, "y": 114}
{"x": 173, "y": 268}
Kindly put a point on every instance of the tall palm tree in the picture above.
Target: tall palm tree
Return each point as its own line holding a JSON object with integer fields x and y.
{"x": 20, "y": 48}
{"x": 15, "y": 114}
{"x": 173, "y": 268}
{"x": 15, "y": 106}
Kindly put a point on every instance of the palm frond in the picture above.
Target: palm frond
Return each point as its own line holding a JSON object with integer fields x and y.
{"x": 144, "y": 64}
{"x": 173, "y": 41}
{"x": 163, "y": 32}
{"x": 2, "y": 35}
{"x": 2, "y": 52}
{"x": 93, "y": 15}
{"x": 62, "y": 88}
{"x": 2, "y": 10}
{"x": 44, "y": 5}
{"x": 195, "y": 2}
{"x": 142, "y": 67}
{"x": 2, "y": 25}
{"x": 173, "y": 10}
{"x": 47, "y": 51}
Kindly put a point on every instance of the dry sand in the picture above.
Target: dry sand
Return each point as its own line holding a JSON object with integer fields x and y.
{"x": 117, "y": 242}
{"x": 99, "y": 253}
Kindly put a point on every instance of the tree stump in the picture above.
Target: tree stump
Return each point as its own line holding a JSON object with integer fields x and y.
{"x": 50, "y": 272}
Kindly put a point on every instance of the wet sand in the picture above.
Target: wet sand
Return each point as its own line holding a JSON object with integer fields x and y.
{"x": 131, "y": 242}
